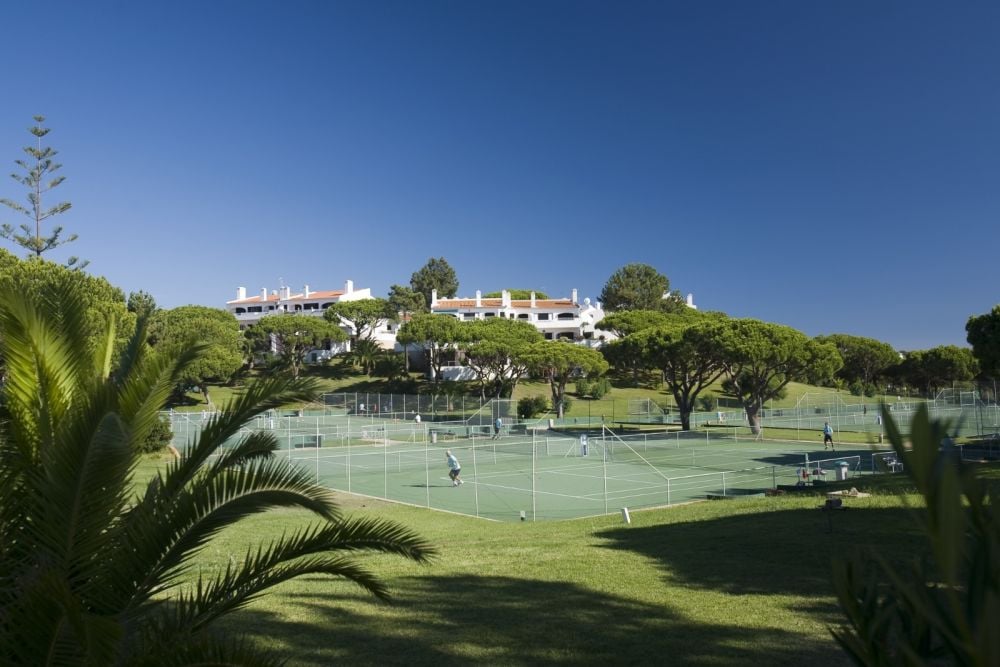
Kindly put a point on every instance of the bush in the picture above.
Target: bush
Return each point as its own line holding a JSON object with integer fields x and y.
{"x": 566, "y": 402}
{"x": 594, "y": 388}
{"x": 532, "y": 406}
{"x": 159, "y": 437}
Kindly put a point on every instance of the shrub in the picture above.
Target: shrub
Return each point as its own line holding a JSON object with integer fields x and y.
{"x": 159, "y": 437}
{"x": 600, "y": 388}
{"x": 531, "y": 406}
{"x": 584, "y": 387}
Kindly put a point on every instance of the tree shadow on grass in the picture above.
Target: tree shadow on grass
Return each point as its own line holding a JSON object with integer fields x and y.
{"x": 499, "y": 620}
{"x": 787, "y": 552}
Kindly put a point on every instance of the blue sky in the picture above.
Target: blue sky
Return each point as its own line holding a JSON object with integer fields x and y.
{"x": 833, "y": 166}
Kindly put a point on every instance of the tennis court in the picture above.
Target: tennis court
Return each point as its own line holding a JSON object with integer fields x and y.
{"x": 548, "y": 475}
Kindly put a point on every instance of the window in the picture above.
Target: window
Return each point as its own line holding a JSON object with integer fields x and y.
{"x": 490, "y": 314}
{"x": 523, "y": 316}
{"x": 548, "y": 336}
{"x": 543, "y": 317}
{"x": 240, "y": 311}
{"x": 566, "y": 316}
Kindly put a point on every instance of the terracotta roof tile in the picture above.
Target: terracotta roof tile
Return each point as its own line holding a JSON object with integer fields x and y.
{"x": 330, "y": 294}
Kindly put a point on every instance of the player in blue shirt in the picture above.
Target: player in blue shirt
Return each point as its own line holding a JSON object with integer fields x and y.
{"x": 828, "y": 436}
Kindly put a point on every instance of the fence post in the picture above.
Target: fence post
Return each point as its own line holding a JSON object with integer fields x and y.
{"x": 723, "y": 483}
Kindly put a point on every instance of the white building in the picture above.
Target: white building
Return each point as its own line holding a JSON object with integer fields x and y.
{"x": 556, "y": 318}
{"x": 249, "y": 310}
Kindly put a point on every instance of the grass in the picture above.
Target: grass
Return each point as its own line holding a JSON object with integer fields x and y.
{"x": 712, "y": 583}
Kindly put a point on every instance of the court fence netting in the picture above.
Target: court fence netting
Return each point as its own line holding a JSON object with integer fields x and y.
{"x": 536, "y": 470}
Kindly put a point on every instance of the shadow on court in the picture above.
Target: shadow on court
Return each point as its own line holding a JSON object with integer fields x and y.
{"x": 519, "y": 622}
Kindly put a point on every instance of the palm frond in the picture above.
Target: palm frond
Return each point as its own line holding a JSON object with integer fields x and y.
{"x": 166, "y": 530}
{"x": 265, "y": 394}
{"x": 254, "y": 446}
{"x": 305, "y": 552}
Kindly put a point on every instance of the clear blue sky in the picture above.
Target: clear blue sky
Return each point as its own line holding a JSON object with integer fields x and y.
{"x": 833, "y": 166}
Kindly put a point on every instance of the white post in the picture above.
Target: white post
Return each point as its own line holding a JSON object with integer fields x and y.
{"x": 475, "y": 476}
{"x": 427, "y": 473}
{"x": 605, "y": 466}
{"x": 533, "y": 508}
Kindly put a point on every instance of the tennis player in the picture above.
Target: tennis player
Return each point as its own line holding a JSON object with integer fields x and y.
{"x": 454, "y": 469}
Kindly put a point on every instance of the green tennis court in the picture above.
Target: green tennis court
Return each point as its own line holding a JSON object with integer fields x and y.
{"x": 547, "y": 475}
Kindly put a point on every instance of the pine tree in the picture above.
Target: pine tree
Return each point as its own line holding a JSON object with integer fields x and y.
{"x": 37, "y": 170}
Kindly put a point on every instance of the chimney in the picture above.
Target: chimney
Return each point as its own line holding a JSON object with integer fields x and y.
{"x": 263, "y": 294}
{"x": 241, "y": 293}
{"x": 479, "y": 298}
{"x": 690, "y": 301}
{"x": 434, "y": 298}
{"x": 286, "y": 293}
{"x": 305, "y": 291}
{"x": 532, "y": 299}
{"x": 504, "y": 298}
{"x": 574, "y": 295}
{"x": 348, "y": 286}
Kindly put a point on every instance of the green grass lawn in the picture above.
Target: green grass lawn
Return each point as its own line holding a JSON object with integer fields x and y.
{"x": 712, "y": 583}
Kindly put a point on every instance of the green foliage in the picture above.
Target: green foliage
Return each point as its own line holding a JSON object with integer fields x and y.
{"x": 438, "y": 275}
{"x": 37, "y": 172}
{"x": 937, "y": 367}
{"x": 937, "y": 611}
{"x": 158, "y": 438}
{"x": 141, "y": 303}
{"x": 293, "y": 335}
{"x": 639, "y": 287}
{"x": 761, "y": 358}
{"x": 690, "y": 358}
{"x": 530, "y": 407}
{"x": 362, "y": 316}
{"x": 517, "y": 294}
{"x": 406, "y": 301}
{"x": 365, "y": 354}
{"x": 858, "y": 388}
{"x": 983, "y": 334}
{"x": 626, "y": 322}
{"x": 437, "y": 333}
{"x": 216, "y": 329}
{"x": 495, "y": 350}
{"x": 558, "y": 361}
{"x": 43, "y": 282}
{"x": 865, "y": 359}
{"x": 596, "y": 388}
{"x": 94, "y": 574}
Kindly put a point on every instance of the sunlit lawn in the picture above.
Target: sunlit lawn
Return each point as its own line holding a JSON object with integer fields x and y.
{"x": 712, "y": 583}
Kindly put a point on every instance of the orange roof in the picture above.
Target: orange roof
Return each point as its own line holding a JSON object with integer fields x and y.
{"x": 498, "y": 303}
{"x": 332, "y": 294}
